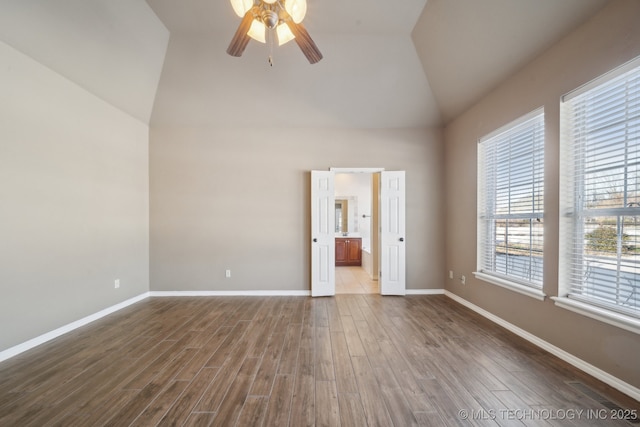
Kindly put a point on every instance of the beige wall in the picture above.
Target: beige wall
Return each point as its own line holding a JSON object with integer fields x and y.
{"x": 239, "y": 199}
{"x": 73, "y": 201}
{"x": 611, "y": 38}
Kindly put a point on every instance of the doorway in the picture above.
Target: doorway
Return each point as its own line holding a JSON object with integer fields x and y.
{"x": 356, "y": 202}
{"x": 387, "y": 243}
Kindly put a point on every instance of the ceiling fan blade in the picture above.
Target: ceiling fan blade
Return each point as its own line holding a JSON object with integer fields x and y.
{"x": 241, "y": 38}
{"x": 304, "y": 41}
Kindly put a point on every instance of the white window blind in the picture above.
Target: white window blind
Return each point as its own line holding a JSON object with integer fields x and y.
{"x": 510, "y": 201}
{"x": 600, "y": 231}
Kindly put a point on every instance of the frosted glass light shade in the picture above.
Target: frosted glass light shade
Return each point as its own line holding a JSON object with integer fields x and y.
{"x": 284, "y": 34}
{"x": 241, "y": 7}
{"x": 270, "y": 1}
{"x": 297, "y": 9}
{"x": 257, "y": 31}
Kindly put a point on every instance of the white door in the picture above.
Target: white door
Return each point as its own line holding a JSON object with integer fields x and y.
{"x": 323, "y": 256}
{"x": 392, "y": 233}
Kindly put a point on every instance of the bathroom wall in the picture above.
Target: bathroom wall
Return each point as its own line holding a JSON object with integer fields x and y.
{"x": 357, "y": 185}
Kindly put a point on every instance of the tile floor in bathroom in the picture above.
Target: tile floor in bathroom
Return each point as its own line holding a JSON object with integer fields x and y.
{"x": 355, "y": 280}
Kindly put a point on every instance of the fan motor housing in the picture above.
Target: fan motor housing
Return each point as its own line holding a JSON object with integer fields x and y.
{"x": 270, "y": 19}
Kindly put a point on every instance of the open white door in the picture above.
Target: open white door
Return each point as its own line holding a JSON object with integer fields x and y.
{"x": 392, "y": 233}
{"x": 323, "y": 273}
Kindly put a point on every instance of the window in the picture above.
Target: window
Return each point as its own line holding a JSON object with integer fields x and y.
{"x": 600, "y": 207}
{"x": 511, "y": 205}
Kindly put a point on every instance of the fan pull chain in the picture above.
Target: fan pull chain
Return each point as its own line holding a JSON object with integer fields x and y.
{"x": 270, "y": 34}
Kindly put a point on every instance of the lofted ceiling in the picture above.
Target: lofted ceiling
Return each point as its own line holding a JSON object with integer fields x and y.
{"x": 370, "y": 77}
{"x": 467, "y": 47}
{"x": 326, "y": 16}
{"x": 113, "y": 49}
{"x": 400, "y": 64}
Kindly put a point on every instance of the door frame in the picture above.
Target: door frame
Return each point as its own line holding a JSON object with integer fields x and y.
{"x": 375, "y": 213}
{"x": 378, "y": 254}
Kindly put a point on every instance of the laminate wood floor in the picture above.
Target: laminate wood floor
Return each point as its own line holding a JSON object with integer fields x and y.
{"x": 351, "y": 360}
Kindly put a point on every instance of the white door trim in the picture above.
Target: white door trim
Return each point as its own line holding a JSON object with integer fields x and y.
{"x": 356, "y": 170}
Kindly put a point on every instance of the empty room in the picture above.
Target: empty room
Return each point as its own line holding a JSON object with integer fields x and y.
{"x": 451, "y": 233}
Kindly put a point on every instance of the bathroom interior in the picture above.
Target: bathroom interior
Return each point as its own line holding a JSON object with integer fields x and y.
{"x": 355, "y": 215}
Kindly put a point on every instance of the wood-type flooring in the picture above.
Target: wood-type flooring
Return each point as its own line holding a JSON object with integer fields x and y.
{"x": 350, "y": 360}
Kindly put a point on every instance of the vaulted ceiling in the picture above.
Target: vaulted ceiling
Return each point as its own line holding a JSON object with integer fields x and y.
{"x": 406, "y": 63}
{"x": 113, "y": 49}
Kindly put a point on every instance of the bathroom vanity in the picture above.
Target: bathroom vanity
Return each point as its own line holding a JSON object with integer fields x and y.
{"x": 348, "y": 251}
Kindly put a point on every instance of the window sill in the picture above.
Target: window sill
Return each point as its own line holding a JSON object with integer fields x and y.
{"x": 628, "y": 323}
{"x": 512, "y": 286}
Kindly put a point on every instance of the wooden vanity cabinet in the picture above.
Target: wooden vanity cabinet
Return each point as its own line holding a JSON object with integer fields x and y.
{"x": 348, "y": 251}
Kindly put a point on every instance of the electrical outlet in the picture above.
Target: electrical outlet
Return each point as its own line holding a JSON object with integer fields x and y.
{"x": 450, "y": 274}
{"x": 463, "y": 280}
{"x": 227, "y": 273}
{"x": 116, "y": 283}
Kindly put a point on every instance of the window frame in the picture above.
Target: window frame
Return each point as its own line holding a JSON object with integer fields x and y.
{"x": 573, "y": 212}
{"x": 488, "y": 194}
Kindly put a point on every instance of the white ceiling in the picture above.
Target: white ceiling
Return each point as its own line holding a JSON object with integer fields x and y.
{"x": 326, "y": 16}
{"x": 405, "y": 63}
{"x": 112, "y": 48}
{"x": 370, "y": 77}
{"x": 468, "y": 46}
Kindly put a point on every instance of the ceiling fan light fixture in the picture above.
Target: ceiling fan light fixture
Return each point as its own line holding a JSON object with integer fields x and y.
{"x": 283, "y": 17}
{"x": 241, "y": 7}
{"x": 284, "y": 34}
{"x": 297, "y": 9}
{"x": 257, "y": 31}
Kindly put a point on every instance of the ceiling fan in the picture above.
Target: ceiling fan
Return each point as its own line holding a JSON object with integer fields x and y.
{"x": 264, "y": 20}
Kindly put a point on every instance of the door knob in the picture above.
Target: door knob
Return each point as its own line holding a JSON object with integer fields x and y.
{"x": 315, "y": 240}
{"x": 402, "y": 239}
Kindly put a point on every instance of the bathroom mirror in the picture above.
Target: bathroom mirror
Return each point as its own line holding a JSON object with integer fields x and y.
{"x": 346, "y": 214}
{"x": 342, "y": 213}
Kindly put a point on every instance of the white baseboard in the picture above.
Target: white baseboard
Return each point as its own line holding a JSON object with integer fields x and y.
{"x": 598, "y": 373}
{"x": 34, "y": 342}
{"x": 425, "y": 291}
{"x": 266, "y": 293}
{"x": 228, "y": 293}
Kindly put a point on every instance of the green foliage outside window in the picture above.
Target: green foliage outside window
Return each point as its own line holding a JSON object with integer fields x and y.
{"x": 605, "y": 239}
